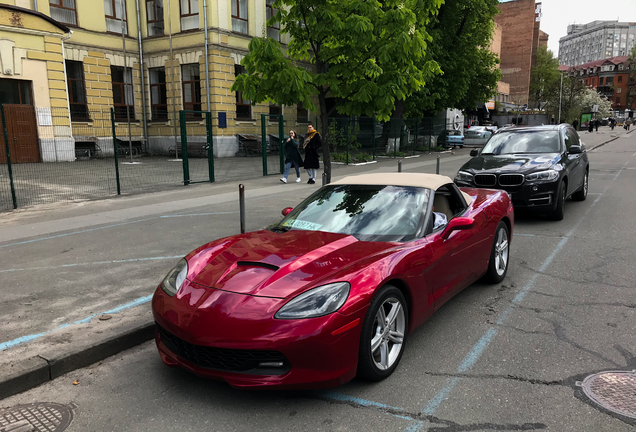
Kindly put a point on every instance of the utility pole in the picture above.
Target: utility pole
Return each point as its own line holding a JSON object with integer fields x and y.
{"x": 560, "y": 96}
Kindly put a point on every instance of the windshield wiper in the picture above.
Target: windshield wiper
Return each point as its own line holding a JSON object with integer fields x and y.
{"x": 282, "y": 229}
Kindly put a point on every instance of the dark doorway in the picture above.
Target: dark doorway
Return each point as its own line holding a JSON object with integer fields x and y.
{"x": 17, "y": 99}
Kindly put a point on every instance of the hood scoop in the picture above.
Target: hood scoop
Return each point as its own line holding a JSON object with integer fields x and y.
{"x": 257, "y": 264}
{"x": 244, "y": 276}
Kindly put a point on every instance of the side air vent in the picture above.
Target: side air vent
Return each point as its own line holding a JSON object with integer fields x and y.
{"x": 256, "y": 264}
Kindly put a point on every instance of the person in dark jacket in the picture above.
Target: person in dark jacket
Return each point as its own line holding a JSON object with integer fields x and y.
{"x": 312, "y": 144}
{"x": 575, "y": 124}
{"x": 597, "y": 122}
{"x": 292, "y": 156}
{"x": 590, "y": 126}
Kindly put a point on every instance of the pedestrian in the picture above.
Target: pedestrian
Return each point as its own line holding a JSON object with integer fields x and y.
{"x": 596, "y": 123}
{"x": 312, "y": 144}
{"x": 612, "y": 123}
{"x": 292, "y": 156}
{"x": 575, "y": 124}
{"x": 628, "y": 122}
{"x": 590, "y": 126}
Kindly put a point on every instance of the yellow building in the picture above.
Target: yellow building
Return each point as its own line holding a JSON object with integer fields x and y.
{"x": 66, "y": 59}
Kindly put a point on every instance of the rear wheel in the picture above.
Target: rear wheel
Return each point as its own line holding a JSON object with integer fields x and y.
{"x": 581, "y": 194}
{"x": 559, "y": 212}
{"x": 499, "y": 255}
{"x": 383, "y": 334}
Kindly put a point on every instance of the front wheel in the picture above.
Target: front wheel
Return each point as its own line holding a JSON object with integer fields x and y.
{"x": 581, "y": 194}
{"x": 383, "y": 334}
{"x": 559, "y": 212}
{"x": 499, "y": 255}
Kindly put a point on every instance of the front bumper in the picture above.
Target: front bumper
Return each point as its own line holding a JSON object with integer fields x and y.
{"x": 222, "y": 332}
{"x": 536, "y": 196}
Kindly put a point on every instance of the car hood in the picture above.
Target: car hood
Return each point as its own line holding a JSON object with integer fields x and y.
{"x": 511, "y": 162}
{"x": 268, "y": 264}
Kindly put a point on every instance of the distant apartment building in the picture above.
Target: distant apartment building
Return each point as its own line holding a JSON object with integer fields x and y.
{"x": 595, "y": 41}
{"x": 66, "y": 59}
{"x": 519, "y": 21}
{"x": 609, "y": 77}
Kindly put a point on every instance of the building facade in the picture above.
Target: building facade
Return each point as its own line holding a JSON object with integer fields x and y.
{"x": 519, "y": 21}
{"x": 611, "y": 78}
{"x": 68, "y": 58}
{"x": 598, "y": 40}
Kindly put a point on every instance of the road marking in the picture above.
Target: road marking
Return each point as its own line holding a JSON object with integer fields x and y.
{"x": 91, "y": 263}
{"x": 477, "y": 350}
{"x": 23, "y": 339}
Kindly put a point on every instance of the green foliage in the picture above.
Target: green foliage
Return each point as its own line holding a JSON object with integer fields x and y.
{"x": 340, "y": 137}
{"x": 364, "y": 157}
{"x": 461, "y": 35}
{"x": 544, "y": 75}
{"x": 631, "y": 88}
{"x": 569, "y": 96}
{"x": 438, "y": 149}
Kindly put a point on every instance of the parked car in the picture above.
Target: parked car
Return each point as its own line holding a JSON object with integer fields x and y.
{"x": 334, "y": 289}
{"x": 477, "y": 132}
{"x": 540, "y": 167}
{"x": 451, "y": 138}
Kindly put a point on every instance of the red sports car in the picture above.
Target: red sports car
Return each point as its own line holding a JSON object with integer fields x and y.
{"x": 333, "y": 290}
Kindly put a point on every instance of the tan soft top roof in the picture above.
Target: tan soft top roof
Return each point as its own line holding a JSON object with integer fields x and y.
{"x": 428, "y": 181}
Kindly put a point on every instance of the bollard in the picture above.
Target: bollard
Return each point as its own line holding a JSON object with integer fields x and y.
{"x": 242, "y": 207}
{"x": 399, "y": 166}
{"x": 437, "y": 168}
{"x": 324, "y": 178}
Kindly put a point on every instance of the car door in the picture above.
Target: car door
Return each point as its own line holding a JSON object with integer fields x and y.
{"x": 575, "y": 167}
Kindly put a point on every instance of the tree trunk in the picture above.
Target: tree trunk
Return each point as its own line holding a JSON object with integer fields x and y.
{"x": 324, "y": 120}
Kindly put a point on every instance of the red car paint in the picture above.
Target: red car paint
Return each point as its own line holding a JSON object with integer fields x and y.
{"x": 235, "y": 285}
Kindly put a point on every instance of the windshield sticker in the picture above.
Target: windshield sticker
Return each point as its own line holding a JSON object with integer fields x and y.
{"x": 300, "y": 224}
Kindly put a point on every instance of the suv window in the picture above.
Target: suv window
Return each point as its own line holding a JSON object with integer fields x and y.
{"x": 573, "y": 137}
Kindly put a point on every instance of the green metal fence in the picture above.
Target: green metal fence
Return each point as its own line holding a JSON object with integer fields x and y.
{"x": 272, "y": 143}
{"x": 197, "y": 147}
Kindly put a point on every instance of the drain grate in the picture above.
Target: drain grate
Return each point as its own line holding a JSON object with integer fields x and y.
{"x": 613, "y": 390}
{"x": 36, "y": 417}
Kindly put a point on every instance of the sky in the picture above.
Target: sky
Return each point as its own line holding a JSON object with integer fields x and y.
{"x": 558, "y": 14}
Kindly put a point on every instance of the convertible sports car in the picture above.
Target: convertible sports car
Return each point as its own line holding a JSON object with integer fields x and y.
{"x": 334, "y": 289}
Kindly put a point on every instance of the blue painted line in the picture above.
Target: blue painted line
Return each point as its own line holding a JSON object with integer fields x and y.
{"x": 367, "y": 403}
{"x": 23, "y": 339}
{"x": 92, "y": 263}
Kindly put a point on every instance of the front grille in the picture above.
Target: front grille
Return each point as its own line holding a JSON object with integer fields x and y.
{"x": 231, "y": 360}
{"x": 511, "y": 179}
{"x": 485, "y": 180}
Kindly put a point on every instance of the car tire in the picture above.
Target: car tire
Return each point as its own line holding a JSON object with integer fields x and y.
{"x": 461, "y": 146}
{"x": 581, "y": 194}
{"x": 559, "y": 212}
{"x": 499, "y": 255}
{"x": 377, "y": 364}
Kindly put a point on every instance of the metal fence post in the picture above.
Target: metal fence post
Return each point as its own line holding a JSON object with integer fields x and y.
{"x": 400, "y": 165}
{"x": 208, "y": 122}
{"x": 437, "y": 167}
{"x": 6, "y": 146}
{"x": 112, "y": 122}
{"x": 242, "y": 207}
{"x": 184, "y": 148}
{"x": 264, "y": 143}
{"x": 281, "y": 147}
{"x": 348, "y": 138}
{"x": 373, "y": 137}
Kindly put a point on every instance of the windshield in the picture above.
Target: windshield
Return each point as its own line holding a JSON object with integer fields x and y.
{"x": 370, "y": 213}
{"x": 523, "y": 142}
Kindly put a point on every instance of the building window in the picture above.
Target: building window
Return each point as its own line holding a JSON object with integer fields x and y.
{"x": 189, "y": 14}
{"x": 123, "y": 99}
{"x": 154, "y": 16}
{"x": 76, "y": 90}
{"x": 64, "y": 11}
{"x": 273, "y": 31}
{"x": 158, "y": 98}
{"x": 620, "y": 78}
{"x": 239, "y": 16}
{"x": 243, "y": 107}
{"x": 191, "y": 84}
{"x": 114, "y": 14}
{"x": 618, "y": 100}
{"x": 302, "y": 115}
{"x": 620, "y": 67}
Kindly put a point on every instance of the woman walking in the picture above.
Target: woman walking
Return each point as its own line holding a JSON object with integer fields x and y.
{"x": 292, "y": 156}
{"x": 312, "y": 144}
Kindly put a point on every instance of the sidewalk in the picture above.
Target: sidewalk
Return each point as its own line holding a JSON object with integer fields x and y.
{"x": 77, "y": 278}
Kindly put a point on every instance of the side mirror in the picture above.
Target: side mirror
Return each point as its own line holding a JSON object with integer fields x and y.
{"x": 575, "y": 149}
{"x": 457, "y": 224}
{"x": 474, "y": 152}
{"x": 287, "y": 210}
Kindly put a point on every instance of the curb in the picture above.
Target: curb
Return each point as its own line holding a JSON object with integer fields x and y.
{"x": 32, "y": 372}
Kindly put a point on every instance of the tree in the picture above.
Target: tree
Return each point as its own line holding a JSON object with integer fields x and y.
{"x": 363, "y": 52}
{"x": 590, "y": 98}
{"x": 461, "y": 36}
{"x": 544, "y": 75}
{"x": 567, "y": 96}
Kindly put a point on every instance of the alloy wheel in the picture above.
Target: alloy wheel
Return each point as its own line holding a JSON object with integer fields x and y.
{"x": 501, "y": 252}
{"x": 389, "y": 327}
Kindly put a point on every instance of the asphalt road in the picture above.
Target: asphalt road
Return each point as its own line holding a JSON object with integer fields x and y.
{"x": 496, "y": 357}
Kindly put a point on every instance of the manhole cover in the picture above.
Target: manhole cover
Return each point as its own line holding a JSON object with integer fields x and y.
{"x": 36, "y": 417}
{"x": 613, "y": 390}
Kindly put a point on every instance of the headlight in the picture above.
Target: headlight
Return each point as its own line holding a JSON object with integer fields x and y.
{"x": 175, "y": 278}
{"x": 316, "y": 302}
{"x": 543, "y": 175}
{"x": 464, "y": 176}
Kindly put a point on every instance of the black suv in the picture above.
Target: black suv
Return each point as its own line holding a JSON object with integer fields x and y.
{"x": 540, "y": 167}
